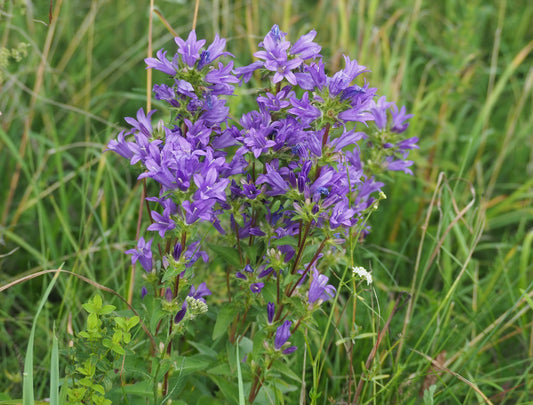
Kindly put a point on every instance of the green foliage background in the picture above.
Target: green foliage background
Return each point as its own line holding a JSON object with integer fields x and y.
{"x": 456, "y": 236}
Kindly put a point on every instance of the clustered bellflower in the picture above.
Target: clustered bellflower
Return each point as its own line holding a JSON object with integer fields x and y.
{"x": 300, "y": 169}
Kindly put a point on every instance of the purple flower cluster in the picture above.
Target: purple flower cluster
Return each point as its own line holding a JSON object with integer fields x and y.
{"x": 302, "y": 167}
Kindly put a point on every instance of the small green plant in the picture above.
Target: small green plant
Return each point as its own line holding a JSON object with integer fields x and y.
{"x": 98, "y": 353}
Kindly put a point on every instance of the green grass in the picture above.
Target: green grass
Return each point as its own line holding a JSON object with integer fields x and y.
{"x": 456, "y": 236}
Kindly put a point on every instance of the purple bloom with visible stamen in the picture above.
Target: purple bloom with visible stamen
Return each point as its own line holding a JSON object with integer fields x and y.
{"x": 189, "y": 50}
{"x": 303, "y": 163}
{"x": 256, "y": 287}
{"x": 213, "y": 52}
{"x": 142, "y": 253}
{"x": 162, "y": 222}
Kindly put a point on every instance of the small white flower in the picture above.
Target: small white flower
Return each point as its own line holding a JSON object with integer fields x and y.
{"x": 362, "y": 273}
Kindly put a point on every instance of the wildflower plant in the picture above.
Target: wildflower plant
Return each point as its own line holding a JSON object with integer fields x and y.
{"x": 269, "y": 197}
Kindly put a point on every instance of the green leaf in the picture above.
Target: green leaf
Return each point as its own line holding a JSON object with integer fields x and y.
{"x": 107, "y": 309}
{"x": 143, "y": 389}
{"x": 428, "y": 395}
{"x": 172, "y": 273}
{"x": 93, "y": 306}
{"x": 228, "y": 254}
{"x": 239, "y": 377}
{"x": 98, "y": 388}
{"x": 221, "y": 369}
{"x": 283, "y": 369}
{"x": 54, "y": 370}
{"x": 134, "y": 320}
{"x": 27, "y": 383}
{"x": 193, "y": 363}
{"x": 224, "y": 318}
{"x": 227, "y": 388}
{"x": 204, "y": 349}
{"x": 286, "y": 240}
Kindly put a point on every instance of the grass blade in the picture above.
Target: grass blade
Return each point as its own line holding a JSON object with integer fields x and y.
{"x": 239, "y": 377}
{"x": 54, "y": 370}
{"x": 27, "y": 383}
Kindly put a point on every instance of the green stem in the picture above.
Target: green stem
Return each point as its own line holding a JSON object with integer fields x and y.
{"x": 315, "y": 257}
{"x": 301, "y": 247}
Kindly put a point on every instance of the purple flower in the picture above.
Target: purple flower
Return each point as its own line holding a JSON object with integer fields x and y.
{"x": 358, "y": 113}
{"x": 398, "y": 165}
{"x": 214, "y": 51}
{"x": 191, "y": 254}
{"x": 290, "y": 350}
{"x": 163, "y": 223}
{"x": 409, "y": 143}
{"x": 275, "y": 55}
{"x": 215, "y": 111}
{"x": 168, "y": 294}
{"x": 244, "y": 73}
{"x": 142, "y": 123}
{"x": 305, "y": 48}
{"x": 199, "y": 293}
{"x": 193, "y": 211}
{"x": 270, "y": 312}
{"x": 303, "y": 109}
{"x": 265, "y": 272}
{"x": 142, "y": 253}
{"x": 210, "y": 185}
{"x": 399, "y": 119}
{"x": 282, "y": 335}
{"x": 181, "y": 313}
{"x": 162, "y": 64}
{"x": 313, "y": 76}
{"x": 144, "y": 292}
{"x": 320, "y": 290}
{"x": 256, "y": 287}
{"x": 189, "y": 50}
{"x": 342, "y": 215}
{"x": 241, "y": 275}
{"x": 221, "y": 79}
{"x": 121, "y": 146}
{"x": 248, "y": 268}
{"x": 278, "y": 101}
{"x": 278, "y": 186}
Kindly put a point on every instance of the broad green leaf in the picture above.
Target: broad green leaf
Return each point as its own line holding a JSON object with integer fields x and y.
{"x": 224, "y": 318}
{"x": 227, "y": 254}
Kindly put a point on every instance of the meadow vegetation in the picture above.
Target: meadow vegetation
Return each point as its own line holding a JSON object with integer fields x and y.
{"x": 448, "y": 317}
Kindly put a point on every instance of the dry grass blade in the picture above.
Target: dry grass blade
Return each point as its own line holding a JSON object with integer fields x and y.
{"x": 438, "y": 366}
{"x": 89, "y": 281}
{"x": 400, "y": 302}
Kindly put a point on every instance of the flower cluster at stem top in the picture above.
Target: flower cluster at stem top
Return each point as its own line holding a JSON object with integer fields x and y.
{"x": 301, "y": 169}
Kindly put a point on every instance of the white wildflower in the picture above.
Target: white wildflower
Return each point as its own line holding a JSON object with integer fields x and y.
{"x": 362, "y": 273}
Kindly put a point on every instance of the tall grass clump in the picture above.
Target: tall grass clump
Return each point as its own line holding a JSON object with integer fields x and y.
{"x": 424, "y": 296}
